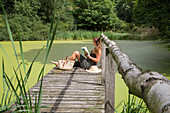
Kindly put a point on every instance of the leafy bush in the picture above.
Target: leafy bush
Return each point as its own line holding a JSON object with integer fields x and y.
{"x": 83, "y": 34}
{"x": 147, "y": 33}
{"x": 30, "y": 29}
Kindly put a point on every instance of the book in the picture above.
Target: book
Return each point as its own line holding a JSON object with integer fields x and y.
{"x": 85, "y": 50}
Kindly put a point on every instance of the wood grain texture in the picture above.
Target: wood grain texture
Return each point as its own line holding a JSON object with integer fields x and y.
{"x": 152, "y": 87}
{"x": 74, "y": 91}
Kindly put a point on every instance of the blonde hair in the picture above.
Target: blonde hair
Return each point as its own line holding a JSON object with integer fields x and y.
{"x": 97, "y": 40}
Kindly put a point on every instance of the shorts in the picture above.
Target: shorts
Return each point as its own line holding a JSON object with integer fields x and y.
{"x": 85, "y": 63}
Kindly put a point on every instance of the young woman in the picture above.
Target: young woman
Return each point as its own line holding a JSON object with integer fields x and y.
{"x": 89, "y": 60}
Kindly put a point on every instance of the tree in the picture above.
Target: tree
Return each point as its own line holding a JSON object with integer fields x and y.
{"x": 96, "y": 14}
{"x": 64, "y": 12}
{"x": 153, "y": 13}
{"x": 124, "y": 10}
{"x": 28, "y": 8}
{"x": 8, "y": 5}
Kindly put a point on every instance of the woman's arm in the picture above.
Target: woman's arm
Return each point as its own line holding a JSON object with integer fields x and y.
{"x": 97, "y": 59}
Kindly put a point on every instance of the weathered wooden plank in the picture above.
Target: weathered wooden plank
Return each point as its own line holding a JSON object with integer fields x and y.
{"x": 52, "y": 99}
{"x": 109, "y": 84}
{"x": 86, "y": 106}
{"x": 103, "y": 56}
{"x": 71, "y": 91}
{"x": 75, "y": 110}
{"x": 68, "y": 90}
{"x": 61, "y": 86}
{"x": 74, "y": 71}
{"x": 74, "y": 88}
{"x": 68, "y": 93}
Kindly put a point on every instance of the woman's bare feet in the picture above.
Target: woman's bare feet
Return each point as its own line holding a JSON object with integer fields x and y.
{"x": 56, "y": 63}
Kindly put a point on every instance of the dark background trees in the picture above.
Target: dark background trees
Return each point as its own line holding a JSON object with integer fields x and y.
{"x": 125, "y": 10}
{"x": 31, "y": 16}
{"x": 153, "y": 13}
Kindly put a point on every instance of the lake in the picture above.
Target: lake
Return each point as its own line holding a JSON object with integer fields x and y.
{"x": 148, "y": 55}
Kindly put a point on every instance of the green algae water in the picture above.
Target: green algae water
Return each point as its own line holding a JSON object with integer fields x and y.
{"x": 148, "y": 55}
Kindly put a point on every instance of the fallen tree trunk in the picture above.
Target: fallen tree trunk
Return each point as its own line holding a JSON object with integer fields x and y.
{"x": 152, "y": 87}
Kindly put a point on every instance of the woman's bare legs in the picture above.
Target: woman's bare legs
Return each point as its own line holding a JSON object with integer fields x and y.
{"x": 56, "y": 63}
{"x": 75, "y": 55}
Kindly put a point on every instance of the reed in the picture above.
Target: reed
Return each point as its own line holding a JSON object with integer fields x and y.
{"x": 133, "y": 105}
{"x": 16, "y": 96}
{"x": 84, "y": 34}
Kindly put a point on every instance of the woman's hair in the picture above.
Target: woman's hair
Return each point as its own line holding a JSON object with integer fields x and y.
{"x": 97, "y": 40}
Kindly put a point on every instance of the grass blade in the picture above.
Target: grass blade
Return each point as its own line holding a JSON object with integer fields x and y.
{"x": 51, "y": 27}
{"x": 6, "y": 97}
{"x": 2, "y": 100}
{"x": 30, "y": 68}
{"x": 22, "y": 89}
{"x": 22, "y": 53}
{"x": 6, "y": 54}
{"x": 36, "y": 101}
{"x": 40, "y": 74}
{"x": 5, "y": 108}
{"x": 3, "y": 74}
{"x": 30, "y": 100}
{"x": 15, "y": 107}
{"x": 9, "y": 32}
{"x": 17, "y": 97}
{"x": 48, "y": 48}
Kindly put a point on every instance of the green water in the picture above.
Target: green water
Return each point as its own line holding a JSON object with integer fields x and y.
{"x": 148, "y": 55}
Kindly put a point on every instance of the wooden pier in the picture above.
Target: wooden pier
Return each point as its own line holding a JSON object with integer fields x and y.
{"x": 72, "y": 91}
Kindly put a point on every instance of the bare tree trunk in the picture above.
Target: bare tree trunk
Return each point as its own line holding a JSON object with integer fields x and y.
{"x": 152, "y": 87}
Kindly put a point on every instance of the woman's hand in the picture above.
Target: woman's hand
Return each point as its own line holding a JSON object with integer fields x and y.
{"x": 88, "y": 56}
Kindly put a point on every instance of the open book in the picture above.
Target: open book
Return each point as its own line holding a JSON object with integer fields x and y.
{"x": 85, "y": 50}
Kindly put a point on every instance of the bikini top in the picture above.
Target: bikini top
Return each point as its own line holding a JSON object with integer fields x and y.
{"x": 90, "y": 61}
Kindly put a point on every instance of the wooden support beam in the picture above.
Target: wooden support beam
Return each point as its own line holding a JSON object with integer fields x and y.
{"x": 152, "y": 87}
{"x": 103, "y": 56}
{"x": 109, "y": 83}
{"x": 108, "y": 78}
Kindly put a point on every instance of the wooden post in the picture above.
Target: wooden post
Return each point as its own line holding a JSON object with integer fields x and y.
{"x": 109, "y": 83}
{"x": 102, "y": 61}
{"x": 152, "y": 87}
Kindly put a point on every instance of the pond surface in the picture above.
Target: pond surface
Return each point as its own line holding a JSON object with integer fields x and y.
{"x": 148, "y": 55}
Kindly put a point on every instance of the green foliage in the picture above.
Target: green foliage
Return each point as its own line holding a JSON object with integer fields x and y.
{"x": 153, "y": 13}
{"x": 2, "y": 28}
{"x": 8, "y": 5}
{"x": 32, "y": 18}
{"x": 2, "y": 23}
{"x": 46, "y": 9}
{"x": 30, "y": 30}
{"x": 76, "y": 35}
{"x": 84, "y": 34}
{"x": 96, "y": 15}
{"x": 28, "y": 8}
{"x": 134, "y": 105}
{"x": 16, "y": 92}
{"x": 124, "y": 10}
{"x": 64, "y": 13}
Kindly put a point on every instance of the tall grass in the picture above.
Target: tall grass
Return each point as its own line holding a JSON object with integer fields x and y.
{"x": 15, "y": 95}
{"x": 133, "y": 105}
{"x": 83, "y": 34}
